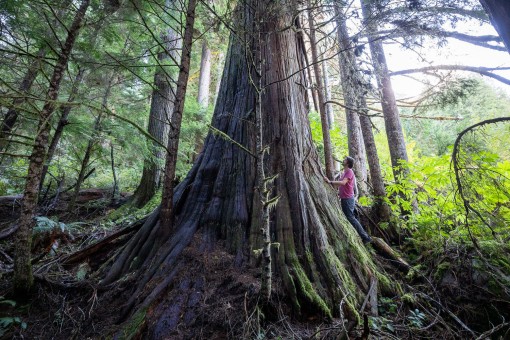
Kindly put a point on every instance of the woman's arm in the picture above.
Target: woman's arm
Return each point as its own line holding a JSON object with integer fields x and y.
{"x": 336, "y": 184}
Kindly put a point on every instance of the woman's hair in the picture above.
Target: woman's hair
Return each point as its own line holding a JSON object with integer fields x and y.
{"x": 350, "y": 162}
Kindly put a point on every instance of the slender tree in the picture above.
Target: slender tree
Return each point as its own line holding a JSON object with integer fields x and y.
{"x": 376, "y": 178}
{"x": 90, "y": 146}
{"x": 162, "y": 105}
{"x": 23, "y": 277}
{"x": 167, "y": 214}
{"x": 219, "y": 71}
{"x": 392, "y": 123}
{"x": 65, "y": 110}
{"x": 204, "y": 82}
{"x": 352, "y": 91}
{"x": 327, "y": 95}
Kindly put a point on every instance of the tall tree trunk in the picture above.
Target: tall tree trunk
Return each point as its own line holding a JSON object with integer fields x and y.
{"x": 312, "y": 87}
{"x": 308, "y": 79}
{"x": 219, "y": 71}
{"x": 326, "y": 138}
{"x": 66, "y": 109}
{"x": 88, "y": 151}
{"x": 392, "y": 123}
{"x": 162, "y": 105}
{"x": 499, "y": 13}
{"x": 114, "y": 174}
{"x": 264, "y": 184}
{"x": 166, "y": 213}
{"x": 204, "y": 82}
{"x": 23, "y": 278}
{"x": 352, "y": 91}
{"x": 376, "y": 178}
{"x": 63, "y": 121}
{"x": 12, "y": 114}
{"x": 327, "y": 95}
{"x": 320, "y": 263}
{"x": 308, "y": 83}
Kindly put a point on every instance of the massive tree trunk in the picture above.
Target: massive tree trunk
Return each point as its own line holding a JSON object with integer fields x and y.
{"x": 204, "y": 81}
{"x": 499, "y": 13}
{"x": 23, "y": 278}
{"x": 352, "y": 89}
{"x": 12, "y": 114}
{"x": 320, "y": 264}
{"x": 392, "y": 123}
{"x": 162, "y": 105}
{"x": 326, "y": 138}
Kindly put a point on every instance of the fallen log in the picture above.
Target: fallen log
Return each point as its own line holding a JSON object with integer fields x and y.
{"x": 8, "y": 232}
{"x": 104, "y": 244}
{"x": 10, "y": 206}
{"x": 387, "y": 252}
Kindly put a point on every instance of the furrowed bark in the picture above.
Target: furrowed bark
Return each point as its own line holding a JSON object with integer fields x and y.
{"x": 352, "y": 88}
{"x": 326, "y": 138}
{"x": 264, "y": 185}
{"x": 320, "y": 260}
{"x": 23, "y": 277}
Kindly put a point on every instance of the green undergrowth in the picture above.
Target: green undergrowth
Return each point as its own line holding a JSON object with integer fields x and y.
{"x": 128, "y": 214}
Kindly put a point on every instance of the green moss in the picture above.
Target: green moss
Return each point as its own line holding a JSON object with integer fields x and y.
{"x": 441, "y": 269}
{"x": 409, "y": 298}
{"x": 133, "y": 326}
{"x": 386, "y": 286}
{"x": 127, "y": 212}
{"x": 308, "y": 290}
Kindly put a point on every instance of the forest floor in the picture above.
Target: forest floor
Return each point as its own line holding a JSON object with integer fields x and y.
{"x": 67, "y": 303}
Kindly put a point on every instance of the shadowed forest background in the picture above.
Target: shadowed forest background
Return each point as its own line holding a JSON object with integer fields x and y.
{"x": 163, "y": 164}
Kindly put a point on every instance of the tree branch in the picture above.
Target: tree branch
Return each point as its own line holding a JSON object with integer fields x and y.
{"x": 485, "y": 71}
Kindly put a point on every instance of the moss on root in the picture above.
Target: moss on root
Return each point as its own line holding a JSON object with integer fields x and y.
{"x": 133, "y": 327}
{"x": 307, "y": 289}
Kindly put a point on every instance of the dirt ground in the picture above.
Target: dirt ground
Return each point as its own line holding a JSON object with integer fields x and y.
{"x": 211, "y": 297}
